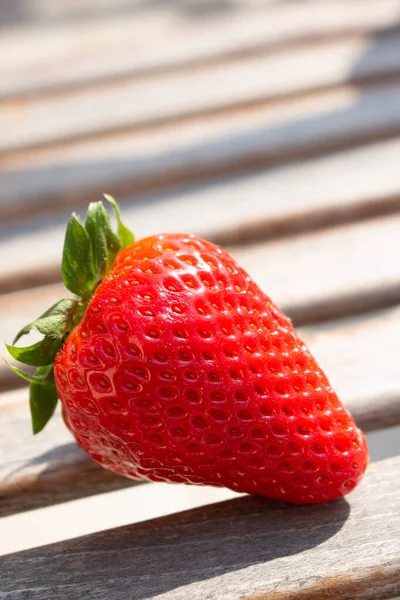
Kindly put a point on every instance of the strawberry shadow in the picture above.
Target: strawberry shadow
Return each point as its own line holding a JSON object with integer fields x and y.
{"x": 66, "y": 473}
{"x": 147, "y": 559}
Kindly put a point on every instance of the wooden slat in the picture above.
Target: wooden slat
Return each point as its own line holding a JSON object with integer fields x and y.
{"x": 210, "y": 148}
{"x": 44, "y": 60}
{"x": 89, "y": 515}
{"x": 276, "y": 202}
{"x": 177, "y": 96}
{"x": 243, "y": 549}
{"x": 361, "y": 360}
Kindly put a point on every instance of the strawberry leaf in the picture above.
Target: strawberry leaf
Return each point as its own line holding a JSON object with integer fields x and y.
{"x": 105, "y": 242}
{"x": 54, "y": 322}
{"x": 40, "y": 354}
{"x": 97, "y": 238}
{"x": 42, "y": 401}
{"x": 125, "y": 235}
{"x": 77, "y": 262}
{"x": 39, "y": 379}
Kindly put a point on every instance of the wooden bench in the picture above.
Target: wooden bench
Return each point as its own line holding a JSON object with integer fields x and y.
{"x": 272, "y": 128}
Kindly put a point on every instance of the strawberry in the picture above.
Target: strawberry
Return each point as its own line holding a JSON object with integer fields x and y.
{"x": 172, "y": 365}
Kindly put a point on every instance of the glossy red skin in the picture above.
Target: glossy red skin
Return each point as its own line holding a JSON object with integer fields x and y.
{"x": 183, "y": 370}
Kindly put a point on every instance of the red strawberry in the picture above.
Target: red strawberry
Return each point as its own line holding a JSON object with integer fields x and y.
{"x": 174, "y": 366}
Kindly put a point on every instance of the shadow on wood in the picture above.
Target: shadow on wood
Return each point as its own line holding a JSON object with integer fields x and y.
{"x": 60, "y": 474}
{"x": 160, "y": 555}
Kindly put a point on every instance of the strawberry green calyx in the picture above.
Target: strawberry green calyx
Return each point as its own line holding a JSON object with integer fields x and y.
{"x": 88, "y": 254}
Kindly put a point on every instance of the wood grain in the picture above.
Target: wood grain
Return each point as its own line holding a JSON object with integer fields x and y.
{"x": 246, "y": 548}
{"x": 361, "y": 359}
{"x": 280, "y": 201}
{"x": 83, "y": 113}
{"x": 44, "y": 59}
{"x": 188, "y": 153}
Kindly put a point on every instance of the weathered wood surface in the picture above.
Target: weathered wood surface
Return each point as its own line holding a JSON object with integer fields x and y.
{"x": 263, "y": 206}
{"x": 243, "y": 549}
{"x": 122, "y": 46}
{"x": 361, "y": 359}
{"x": 35, "y": 122}
{"x": 202, "y": 150}
{"x": 88, "y": 515}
